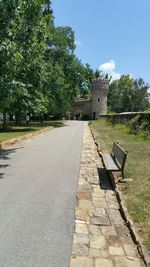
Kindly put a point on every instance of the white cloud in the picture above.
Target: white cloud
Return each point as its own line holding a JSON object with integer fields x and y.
{"x": 110, "y": 69}
{"x": 78, "y": 43}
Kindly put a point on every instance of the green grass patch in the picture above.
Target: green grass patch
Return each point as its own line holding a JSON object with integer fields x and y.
{"x": 137, "y": 192}
{"x": 13, "y": 131}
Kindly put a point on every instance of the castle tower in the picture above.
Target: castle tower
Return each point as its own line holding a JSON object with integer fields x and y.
{"x": 100, "y": 88}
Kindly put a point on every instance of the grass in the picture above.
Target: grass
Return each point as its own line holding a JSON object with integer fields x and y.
{"x": 137, "y": 192}
{"x": 13, "y": 131}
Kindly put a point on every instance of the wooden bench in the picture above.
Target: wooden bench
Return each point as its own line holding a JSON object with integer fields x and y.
{"x": 115, "y": 161}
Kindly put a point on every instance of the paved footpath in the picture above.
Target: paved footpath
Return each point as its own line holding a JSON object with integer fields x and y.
{"x": 38, "y": 182}
{"x": 101, "y": 238}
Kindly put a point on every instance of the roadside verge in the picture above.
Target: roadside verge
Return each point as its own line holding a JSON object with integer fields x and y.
{"x": 101, "y": 236}
{"x": 144, "y": 253}
{"x": 13, "y": 141}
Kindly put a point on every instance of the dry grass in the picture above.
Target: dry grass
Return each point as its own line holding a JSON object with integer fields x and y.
{"x": 137, "y": 192}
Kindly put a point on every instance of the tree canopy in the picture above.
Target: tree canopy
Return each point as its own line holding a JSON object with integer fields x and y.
{"x": 39, "y": 71}
{"x": 128, "y": 95}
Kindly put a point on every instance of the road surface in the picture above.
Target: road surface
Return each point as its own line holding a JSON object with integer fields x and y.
{"x": 38, "y": 182}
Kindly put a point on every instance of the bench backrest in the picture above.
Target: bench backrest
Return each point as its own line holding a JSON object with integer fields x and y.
{"x": 119, "y": 155}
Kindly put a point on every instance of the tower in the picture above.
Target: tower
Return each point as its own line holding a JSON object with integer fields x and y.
{"x": 100, "y": 88}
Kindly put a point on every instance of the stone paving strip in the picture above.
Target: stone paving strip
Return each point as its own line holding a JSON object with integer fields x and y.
{"x": 101, "y": 238}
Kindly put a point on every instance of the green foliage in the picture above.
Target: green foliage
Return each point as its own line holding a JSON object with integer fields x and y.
{"x": 39, "y": 72}
{"x": 97, "y": 74}
{"x": 128, "y": 95}
{"x": 140, "y": 127}
{"x": 134, "y": 124}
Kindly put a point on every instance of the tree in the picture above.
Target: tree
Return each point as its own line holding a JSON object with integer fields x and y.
{"x": 128, "y": 95}
{"x": 140, "y": 99}
{"x": 24, "y": 30}
{"x": 97, "y": 74}
{"x": 39, "y": 71}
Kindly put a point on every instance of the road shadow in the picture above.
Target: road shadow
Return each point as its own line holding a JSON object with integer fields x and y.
{"x": 1, "y": 175}
{"x": 58, "y": 124}
{"x": 5, "y": 154}
{"x": 104, "y": 180}
{"x": 4, "y": 165}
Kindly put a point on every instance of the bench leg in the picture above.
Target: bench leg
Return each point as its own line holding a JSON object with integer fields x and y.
{"x": 122, "y": 172}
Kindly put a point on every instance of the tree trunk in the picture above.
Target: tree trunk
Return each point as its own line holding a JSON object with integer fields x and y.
{"x": 11, "y": 116}
{"x": 4, "y": 120}
{"x": 18, "y": 118}
{"x": 41, "y": 119}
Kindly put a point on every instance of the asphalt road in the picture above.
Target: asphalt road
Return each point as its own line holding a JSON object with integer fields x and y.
{"x": 38, "y": 182}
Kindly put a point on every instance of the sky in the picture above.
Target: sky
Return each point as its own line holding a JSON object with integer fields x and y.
{"x": 111, "y": 35}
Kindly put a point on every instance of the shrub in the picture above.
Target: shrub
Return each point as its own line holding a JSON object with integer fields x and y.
{"x": 134, "y": 125}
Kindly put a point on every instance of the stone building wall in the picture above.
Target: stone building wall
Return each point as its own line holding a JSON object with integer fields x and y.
{"x": 97, "y": 105}
{"x": 100, "y": 89}
{"x": 81, "y": 108}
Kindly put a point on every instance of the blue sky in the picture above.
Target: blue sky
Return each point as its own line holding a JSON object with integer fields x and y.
{"x": 111, "y": 34}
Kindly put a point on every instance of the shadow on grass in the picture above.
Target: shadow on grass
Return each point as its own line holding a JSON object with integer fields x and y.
{"x": 104, "y": 180}
{"x": 31, "y": 127}
{"x": 55, "y": 124}
{"x": 17, "y": 130}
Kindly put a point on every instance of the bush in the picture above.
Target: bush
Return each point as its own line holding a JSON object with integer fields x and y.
{"x": 134, "y": 125}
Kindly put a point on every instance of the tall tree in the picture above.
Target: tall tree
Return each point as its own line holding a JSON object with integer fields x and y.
{"x": 7, "y": 16}
{"x": 39, "y": 71}
{"x": 128, "y": 95}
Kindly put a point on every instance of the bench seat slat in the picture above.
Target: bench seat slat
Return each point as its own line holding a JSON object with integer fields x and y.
{"x": 109, "y": 162}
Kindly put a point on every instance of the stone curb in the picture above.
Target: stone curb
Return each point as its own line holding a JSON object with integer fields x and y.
{"x": 141, "y": 248}
{"x": 14, "y": 141}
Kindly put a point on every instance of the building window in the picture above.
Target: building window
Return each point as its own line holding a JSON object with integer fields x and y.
{"x": 98, "y": 99}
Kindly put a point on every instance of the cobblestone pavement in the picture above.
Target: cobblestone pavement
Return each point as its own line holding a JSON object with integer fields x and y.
{"x": 101, "y": 238}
